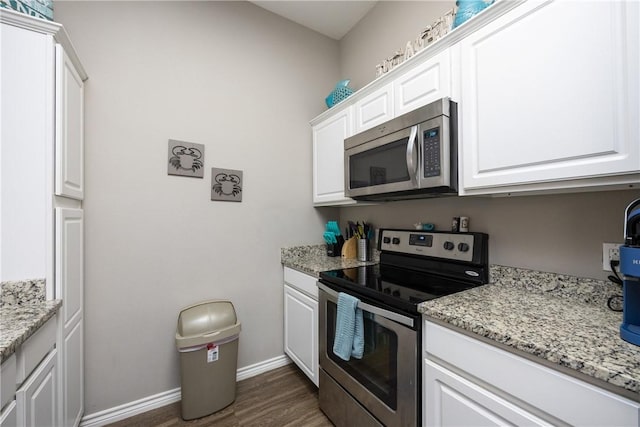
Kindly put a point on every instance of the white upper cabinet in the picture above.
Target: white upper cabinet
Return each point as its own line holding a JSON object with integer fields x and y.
{"x": 69, "y": 128}
{"x": 26, "y": 97}
{"x": 374, "y": 109}
{"x": 428, "y": 82}
{"x": 549, "y": 98}
{"x": 328, "y": 158}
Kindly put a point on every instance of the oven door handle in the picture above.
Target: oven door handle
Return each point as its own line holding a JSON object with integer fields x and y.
{"x": 396, "y": 317}
{"x": 412, "y": 164}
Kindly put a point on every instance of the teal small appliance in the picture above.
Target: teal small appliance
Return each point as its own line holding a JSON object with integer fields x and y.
{"x": 630, "y": 268}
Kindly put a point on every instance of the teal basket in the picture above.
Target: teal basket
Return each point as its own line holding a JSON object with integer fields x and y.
{"x": 340, "y": 93}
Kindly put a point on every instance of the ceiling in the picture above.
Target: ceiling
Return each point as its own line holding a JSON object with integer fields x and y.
{"x": 332, "y": 18}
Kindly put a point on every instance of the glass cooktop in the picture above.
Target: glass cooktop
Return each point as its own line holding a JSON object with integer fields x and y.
{"x": 400, "y": 288}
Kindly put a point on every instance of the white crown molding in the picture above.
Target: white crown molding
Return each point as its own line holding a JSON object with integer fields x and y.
{"x": 54, "y": 29}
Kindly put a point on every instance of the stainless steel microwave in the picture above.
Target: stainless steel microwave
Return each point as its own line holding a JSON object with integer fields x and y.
{"x": 412, "y": 156}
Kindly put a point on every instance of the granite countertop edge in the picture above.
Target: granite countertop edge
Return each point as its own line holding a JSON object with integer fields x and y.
{"x": 313, "y": 259}
{"x": 19, "y": 322}
{"x": 573, "y": 336}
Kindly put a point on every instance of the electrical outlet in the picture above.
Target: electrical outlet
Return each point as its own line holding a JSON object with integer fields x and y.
{"x": 610, "y": 251}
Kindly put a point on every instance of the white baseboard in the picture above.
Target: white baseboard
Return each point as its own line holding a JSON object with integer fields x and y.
{"x": 159, "y": 400}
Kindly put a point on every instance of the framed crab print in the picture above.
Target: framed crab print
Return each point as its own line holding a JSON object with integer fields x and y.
{"x": 226, "y": 185}
{"x": 185, "y": 159}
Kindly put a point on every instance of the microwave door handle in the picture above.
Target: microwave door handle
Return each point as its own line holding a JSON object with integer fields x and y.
{"x": 411, "y": 164}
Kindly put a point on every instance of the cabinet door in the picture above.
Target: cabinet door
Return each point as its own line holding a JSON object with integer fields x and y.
{"x": 9, "y": 415}
{"x": 70, "y": 287}
{"x": 374, "y": 109}
{"x": 26, "y": 131}
{"x": 69, "y": 128}
{"x": 69, "y": 264}
{"x": 452, "y": 400}
{"x": 301, "y": 331}
{"x": 426, "y": 83}
{"x": 73, "y": 380}
{"x": 328, "y": 159}
{"x": 7, "y": 380}
{"x": 36, "y": 399}
{"x": 549, "y": 93}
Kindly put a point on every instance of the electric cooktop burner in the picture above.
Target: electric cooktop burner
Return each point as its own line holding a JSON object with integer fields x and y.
{"x": 416, "y": 266}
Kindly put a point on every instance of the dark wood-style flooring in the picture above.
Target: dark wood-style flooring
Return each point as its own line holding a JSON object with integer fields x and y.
{"x": 281, "y": 397}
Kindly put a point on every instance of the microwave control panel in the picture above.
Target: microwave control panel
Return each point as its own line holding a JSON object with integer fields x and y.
{"x": 431, "y": 152}
{"x": 454, "y": 246}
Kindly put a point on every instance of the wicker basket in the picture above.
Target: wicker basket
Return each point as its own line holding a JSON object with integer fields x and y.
{"x": 341, "y": 92}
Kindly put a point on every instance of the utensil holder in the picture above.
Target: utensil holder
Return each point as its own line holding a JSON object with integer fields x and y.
{"x": 363, "y": 250}
{"x": 335, "y": 249}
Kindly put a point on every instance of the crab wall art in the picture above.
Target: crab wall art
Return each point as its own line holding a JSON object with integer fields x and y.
{"x": 186, "y": 159}
{"x": 226, "y": 185}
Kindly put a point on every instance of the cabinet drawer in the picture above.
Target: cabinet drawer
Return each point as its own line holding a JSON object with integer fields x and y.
{"x": 302, "y": 282}
{"x": 559, "y": 395}
{"x": 7, "y": 380}
{"x": 33, "y": 350}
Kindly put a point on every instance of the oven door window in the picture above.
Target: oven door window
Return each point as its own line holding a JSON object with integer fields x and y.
{"x": 385, "y": 164}
{"x": 377, "y": 370}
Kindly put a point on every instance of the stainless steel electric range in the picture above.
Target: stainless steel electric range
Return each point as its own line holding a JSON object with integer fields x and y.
{"x": 384, "y": 386}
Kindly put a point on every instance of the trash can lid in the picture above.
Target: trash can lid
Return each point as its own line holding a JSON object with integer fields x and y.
{"x": 207, "y": 322}
{"x": 206, "y": 317}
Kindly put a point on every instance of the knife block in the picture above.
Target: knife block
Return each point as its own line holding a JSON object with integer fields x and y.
{"x": 334, "y": 249}
{"x": 350, "y": 248}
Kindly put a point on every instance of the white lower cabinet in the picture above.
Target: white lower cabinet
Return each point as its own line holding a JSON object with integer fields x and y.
{"x": 8, "y": 370}
{"x": 36, "y": 399}
{"x": 456, "y": 401}
{"x": 9, "y": 415}
{"x": 70, "y": 287}
{"x": 472, "y": 383}
{"x": 301, "y": 321}
{"x": 29, "y": 379}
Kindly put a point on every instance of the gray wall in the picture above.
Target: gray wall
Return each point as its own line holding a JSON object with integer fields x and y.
{"x": 557, "y": 233}
{"x": 245, "y": 83}
{"x": 384, "y": 30}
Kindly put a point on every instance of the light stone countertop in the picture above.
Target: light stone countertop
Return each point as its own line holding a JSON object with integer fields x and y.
{"x": 313, "y": 259}
{"x": 558, "y": 320}
{"x": 23, "y": 309}
{"x": 19, "y": 322}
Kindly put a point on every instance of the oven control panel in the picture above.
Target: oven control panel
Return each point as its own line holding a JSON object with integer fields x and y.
{"x": 454, "y": 246}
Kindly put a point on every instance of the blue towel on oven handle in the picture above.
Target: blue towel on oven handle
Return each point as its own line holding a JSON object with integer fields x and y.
{"x": 349, "y": 339}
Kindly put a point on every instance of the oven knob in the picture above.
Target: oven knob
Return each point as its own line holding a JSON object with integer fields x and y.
{"x": 396, "y": 293}
{"x": 396, "y": 241}
{"x": 449, "y": 245}
{"x": 386, "y": 240}
{"x": 463, "y": 247}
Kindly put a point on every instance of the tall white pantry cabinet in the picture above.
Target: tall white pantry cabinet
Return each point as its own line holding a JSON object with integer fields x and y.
{"x": 42, "y": 182}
